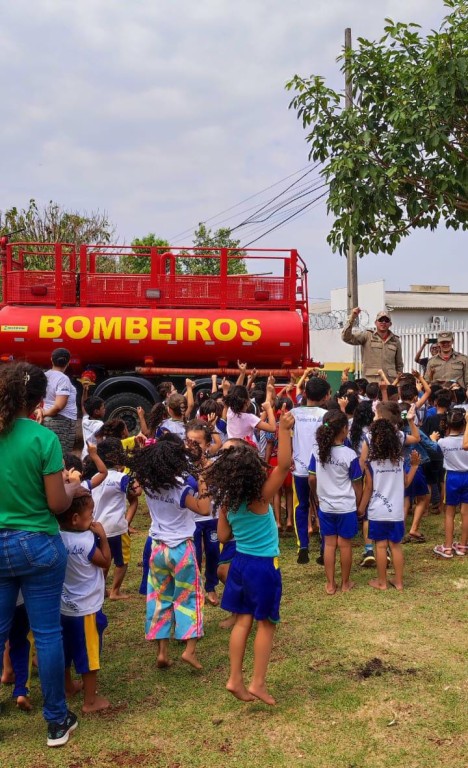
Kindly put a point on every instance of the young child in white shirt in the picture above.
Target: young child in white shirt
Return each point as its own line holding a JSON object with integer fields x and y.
{"x": 83, "y": 621}
{"x": 110, "y": 508}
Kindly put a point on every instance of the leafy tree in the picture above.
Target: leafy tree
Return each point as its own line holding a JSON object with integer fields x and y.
{"x": 206, "y": 262}
{"x": 399, "y": 158}
{"x": 55, "y": 224}
{"x": 139, "y": 263}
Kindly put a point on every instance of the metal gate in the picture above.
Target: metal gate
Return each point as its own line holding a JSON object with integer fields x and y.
{"x": 412, "y": 338}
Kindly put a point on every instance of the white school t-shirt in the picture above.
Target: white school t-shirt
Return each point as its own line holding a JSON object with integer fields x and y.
{"x": 388, "y": 491}
{"x": 335, "y": 479}
{"x": 89, "y": 427}
{"x": 308, "y": 419}
{"x": 171, "y": 425}
{"x": 83, "y": 588}
{"x": 110, "y": 503}
{"x": 59, "y": 384}
{"x": 455, "y": 458}
{"x": 171, "y": 521}
{"x": 241, "y": 425}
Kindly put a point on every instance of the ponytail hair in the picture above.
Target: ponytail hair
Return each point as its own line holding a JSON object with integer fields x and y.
{"x": 237, "y": 398}
{"x": 178, "y": 404}
{"x": 22, "y": 387}
{"x": 363, "y": 417}
{"x": 333, "y": 423}
{"x": 455, "y": 418}
{"x": 157, "y": 415}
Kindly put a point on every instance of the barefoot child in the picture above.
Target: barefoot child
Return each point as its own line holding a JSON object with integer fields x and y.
{"x": 17, "y": 659}
{"x": 242, "y": 488}
{"x": 456, "y": 483}
{"x": 206, "y": 536}
{"x": 383, "y": 496}
{"x": 83, "y": 621}
{"x": 110, "y": 507}
{"x": 335, "y": 479}
{"x": 175, "y": 596}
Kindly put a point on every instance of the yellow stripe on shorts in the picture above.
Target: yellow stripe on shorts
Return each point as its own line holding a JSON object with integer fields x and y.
{"x": 92, "y": 641}
{"x": 126, "y": 548}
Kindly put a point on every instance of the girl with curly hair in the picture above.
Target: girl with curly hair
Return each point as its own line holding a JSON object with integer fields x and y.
{"x": 383, "y": 496}
{"x": 174, "y": 600}
{"x": 454, "y": 449}
{"x": 242, "y": 487}
{"x": 335, "y": 479}
{"x": 169, "y": 416}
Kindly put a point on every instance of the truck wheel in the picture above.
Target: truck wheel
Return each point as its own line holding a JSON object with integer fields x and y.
{"x": 124, "y": 406}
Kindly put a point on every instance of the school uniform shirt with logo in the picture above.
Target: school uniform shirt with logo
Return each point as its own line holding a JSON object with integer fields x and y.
{"x": 171, "y": 425}
{"x": 171, "y": 521}
{"x": 308, "y": 419}
{"x": 83, "y": 588}
{"x": 388, "y": 490}
{"x": 335, "y": 480}
{"x": 110, "y": 503}
{"x": 455, "y": 458}
{"x": 89, "y": 427}
{"x": 59, "y": 384}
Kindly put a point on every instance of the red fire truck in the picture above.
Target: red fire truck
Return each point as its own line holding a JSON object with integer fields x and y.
{"x": 135, "y": 330}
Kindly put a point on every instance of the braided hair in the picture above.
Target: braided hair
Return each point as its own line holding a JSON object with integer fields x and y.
{"x": 333, "y": 423}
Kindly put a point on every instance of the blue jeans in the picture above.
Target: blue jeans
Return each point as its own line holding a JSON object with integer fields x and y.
{"x": 35, "y": 563}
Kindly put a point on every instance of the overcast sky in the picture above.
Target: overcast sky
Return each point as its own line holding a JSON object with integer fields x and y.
{"x": 166, "y": 112}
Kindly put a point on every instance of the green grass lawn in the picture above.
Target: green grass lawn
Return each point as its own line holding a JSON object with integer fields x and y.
{"x": 363, "y": 680}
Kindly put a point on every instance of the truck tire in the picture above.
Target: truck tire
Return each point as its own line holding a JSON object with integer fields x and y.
{"x": 124, "y": 406}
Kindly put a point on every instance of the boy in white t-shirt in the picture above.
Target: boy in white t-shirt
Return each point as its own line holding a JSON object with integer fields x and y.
{"x": 94, "y": 410}
{"x": 83, "y": 621}
{"x": 307, "y": 419}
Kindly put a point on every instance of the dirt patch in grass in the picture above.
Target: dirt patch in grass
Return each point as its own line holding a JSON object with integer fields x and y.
{"x": 376, "y": 668}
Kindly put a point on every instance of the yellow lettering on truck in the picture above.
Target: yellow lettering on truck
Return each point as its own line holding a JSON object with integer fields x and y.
{"x": 224, "y": 329}
{"x": 106, "y": 329}
{"x": 50, "y": 327}
{"x": 198, "y": 326}
{"x": 136, "y": 328}
{"x": 251, "y": 330}
{"x": 161, "y": 329}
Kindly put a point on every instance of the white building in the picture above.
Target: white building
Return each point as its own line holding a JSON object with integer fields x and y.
{"x": 421, "y": 311}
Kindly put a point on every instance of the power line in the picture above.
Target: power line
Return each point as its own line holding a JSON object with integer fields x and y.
{"x": 293, "y": 215}
{"x": 251, "y": 197}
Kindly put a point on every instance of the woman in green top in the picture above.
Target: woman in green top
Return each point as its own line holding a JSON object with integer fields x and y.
{"x": 32, "y": 555}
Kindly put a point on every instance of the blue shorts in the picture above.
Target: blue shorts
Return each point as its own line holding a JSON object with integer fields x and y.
{"x": 82, "y": 640}
{"x": 227, "y": 552}
{"x": 418, "y": 485}
{"x": 456, "y": 488}
{"x": 338, "y": 524}
{"x": 386, "y": 530}
{"x": 120, "y": 549}
{"x": 254, "y": 587}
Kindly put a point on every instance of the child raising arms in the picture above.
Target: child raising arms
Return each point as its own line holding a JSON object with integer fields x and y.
{"x": 335, "y": 479}
{"x": 174, "y": 596}
{"x": 242, "y": 488}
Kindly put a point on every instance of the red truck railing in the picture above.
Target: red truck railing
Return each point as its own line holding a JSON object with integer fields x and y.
{"x": 54, "y": 274}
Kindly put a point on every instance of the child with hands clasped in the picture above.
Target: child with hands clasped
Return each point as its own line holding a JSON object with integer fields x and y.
{"x": 241, "y": 487}
{"x": 383, "y": 495}
{"x": 335, "y": 479}
{"x": 455, "y": 452}
{"x": 83, "y": 621}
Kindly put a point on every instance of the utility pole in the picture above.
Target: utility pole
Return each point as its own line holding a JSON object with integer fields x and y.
{"x": 351, "y": 257}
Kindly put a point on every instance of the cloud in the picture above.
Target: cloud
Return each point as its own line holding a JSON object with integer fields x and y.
{"x": 165, "y": 113}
